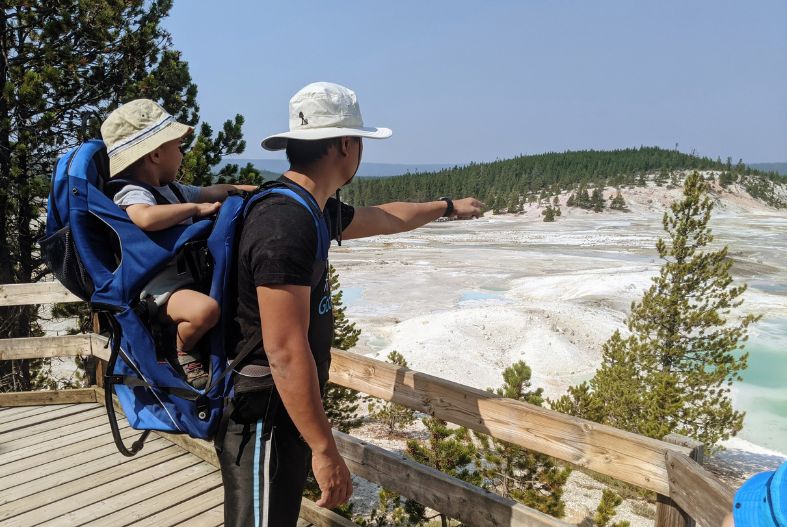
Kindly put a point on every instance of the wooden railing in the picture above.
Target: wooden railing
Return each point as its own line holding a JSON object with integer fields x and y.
{"x": 686, "y": 491}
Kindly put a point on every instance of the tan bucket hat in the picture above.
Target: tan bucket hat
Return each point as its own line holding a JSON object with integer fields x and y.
{"x": 322, "y": 110}
{"x": 135, "y": 129}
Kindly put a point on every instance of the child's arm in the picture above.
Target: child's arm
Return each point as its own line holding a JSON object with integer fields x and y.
{"x": 160, "y": 217}
{"x": 219, "y": 192}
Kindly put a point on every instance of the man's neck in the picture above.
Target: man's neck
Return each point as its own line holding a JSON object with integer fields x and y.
{"x": 319, "y": 185}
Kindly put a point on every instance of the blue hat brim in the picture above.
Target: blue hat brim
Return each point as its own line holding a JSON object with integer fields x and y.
{"x": 750, "y": 506}
{"x": 778, "y": 497}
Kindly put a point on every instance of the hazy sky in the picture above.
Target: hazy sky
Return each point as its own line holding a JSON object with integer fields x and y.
{"x": 462, "y": 81}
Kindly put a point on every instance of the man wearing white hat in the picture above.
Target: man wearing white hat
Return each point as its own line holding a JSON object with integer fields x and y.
{"x": 284, "y": 300}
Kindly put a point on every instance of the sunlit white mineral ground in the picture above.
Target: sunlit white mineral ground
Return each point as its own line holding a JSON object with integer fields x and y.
{"x": 465, "y": 299}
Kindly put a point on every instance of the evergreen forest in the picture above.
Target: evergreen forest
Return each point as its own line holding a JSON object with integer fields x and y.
{"x": 550, "y": 173}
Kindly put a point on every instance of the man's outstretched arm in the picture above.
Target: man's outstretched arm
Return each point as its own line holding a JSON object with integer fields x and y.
{"x": 284, "y": 315}
{"x": 391, "y": 218}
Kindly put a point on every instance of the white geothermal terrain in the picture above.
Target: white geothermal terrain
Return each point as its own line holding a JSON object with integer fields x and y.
{"x": 465, "y": 299}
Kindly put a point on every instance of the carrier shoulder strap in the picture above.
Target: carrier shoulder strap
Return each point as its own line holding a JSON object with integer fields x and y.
{"x": 176, "y": 190}
{"x": 305, "y": 199}
{"x": 113, "y": 186}
{"x": 301, "y": 196}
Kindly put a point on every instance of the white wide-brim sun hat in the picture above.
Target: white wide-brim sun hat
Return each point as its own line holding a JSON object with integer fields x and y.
{"x": 323, "y": 110}
{"x": 135, "y": 129}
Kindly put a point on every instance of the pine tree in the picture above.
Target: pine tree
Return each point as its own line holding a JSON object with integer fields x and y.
{"x": 586, "y": 202}
{"x": 549, "y": 214}
{"x": 497, "y": 205}
{"x": 597, "y": 200}
{"x": 392, "y": 512}
{"x": 674, "y": 371}
{"x": 340, "y": 403}
{"x": 661, "y": 178}
{"x": 513, "y": 203}
{"x": 394, "y": 416}
{"x": 530, "y": 478}
{"x": 556, "y": 201}
{"x": 606, "y": 510}
{"x": 571, "y": 201}
{"x": 448, "y": 450}
{"x": 618, "y": 203}
{"x": 727, "y": 178}
{"x": 206, "y": 152}
{"x": 65, "y": 66}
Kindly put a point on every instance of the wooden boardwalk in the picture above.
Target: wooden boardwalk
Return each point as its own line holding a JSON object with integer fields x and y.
{"x": 59, "y": 466}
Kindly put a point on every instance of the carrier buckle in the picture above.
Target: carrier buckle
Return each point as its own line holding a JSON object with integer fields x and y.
{"x": 203, "y": 405}
{"x": 114, "y": 379}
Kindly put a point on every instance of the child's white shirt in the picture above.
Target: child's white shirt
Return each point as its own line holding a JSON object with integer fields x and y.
{"x": 134, "y": 195}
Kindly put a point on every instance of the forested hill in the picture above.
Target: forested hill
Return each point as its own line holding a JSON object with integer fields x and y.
{"x": 552, "y": 172}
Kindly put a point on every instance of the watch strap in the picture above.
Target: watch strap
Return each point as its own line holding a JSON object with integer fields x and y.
{"x": 449, "y": 209}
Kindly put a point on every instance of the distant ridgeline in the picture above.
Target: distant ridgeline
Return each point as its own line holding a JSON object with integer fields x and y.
{"x": 539, "y": 176}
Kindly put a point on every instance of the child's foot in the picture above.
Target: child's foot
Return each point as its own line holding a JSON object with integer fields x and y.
{"x": 195, "y": 373}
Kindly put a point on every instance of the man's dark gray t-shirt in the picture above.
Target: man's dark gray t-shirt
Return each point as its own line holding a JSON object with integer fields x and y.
{"x": 278, "y": 246}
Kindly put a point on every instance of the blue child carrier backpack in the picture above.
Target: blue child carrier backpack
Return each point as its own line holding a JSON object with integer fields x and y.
{"x": 101, "y": 256}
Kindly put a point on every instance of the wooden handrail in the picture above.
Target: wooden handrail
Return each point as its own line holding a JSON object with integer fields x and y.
{"x": 437, "y": 490}
{"x": 454, "y": 497}
{"x": 39, "y": 293}
{"x": 698, "y": 492}
{"x": 629, "y": 457}
{"x": 648, "y": 463}
{"x": 625, "y": 456}
{"x": 45, "y": 347}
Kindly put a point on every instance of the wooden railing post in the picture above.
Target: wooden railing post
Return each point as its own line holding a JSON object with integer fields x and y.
{"x": 668, "y": 514}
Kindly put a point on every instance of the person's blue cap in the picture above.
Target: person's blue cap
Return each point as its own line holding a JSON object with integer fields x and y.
{"x": 762, "y": 500}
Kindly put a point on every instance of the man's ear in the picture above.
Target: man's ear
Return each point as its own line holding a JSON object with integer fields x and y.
{"x": 344, "y": 145}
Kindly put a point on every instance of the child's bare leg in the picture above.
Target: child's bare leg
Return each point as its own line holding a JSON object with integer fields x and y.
{"x": 194, "y": 313}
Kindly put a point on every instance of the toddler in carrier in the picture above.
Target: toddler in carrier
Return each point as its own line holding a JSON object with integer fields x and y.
{"x": 144, "y": 146}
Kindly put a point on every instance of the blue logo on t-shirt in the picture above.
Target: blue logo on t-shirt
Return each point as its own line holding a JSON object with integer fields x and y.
{"x": 325, "y": 305}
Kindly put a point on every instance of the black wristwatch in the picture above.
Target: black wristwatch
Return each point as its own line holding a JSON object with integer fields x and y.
{"x": 450, "y": 208}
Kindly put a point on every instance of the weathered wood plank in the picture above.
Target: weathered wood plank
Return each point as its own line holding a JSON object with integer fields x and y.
{"x": 668, "y": 514}
{"x": 133, "y": 489}
{"x": 29, "y": 483}
{"x": 698, "y": 492}
{"x": 45, "y": 417}
{"x": 59, "y": 451}
{"x": 625, "y": 456}
{"x": 99, "y": 347}
{"x": 211, "y": 518}
{"x": 181, "y": 512}
{"x": 454, "y": 497}
{"x": 171, "y": 499}
{"x": 44, "y": 347}
{"x": 26, "y": 411}
{"x": 199, "y": 447}
{"x": 39, "y": 293}
{"x": 320, "y": 517}
{"x": 53, "y": 439}
{"x": 63, "y": 451}
{"x": 32, "y": 510}
{"x": 30, "y": 431}
{"x": 48, "y": 397}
